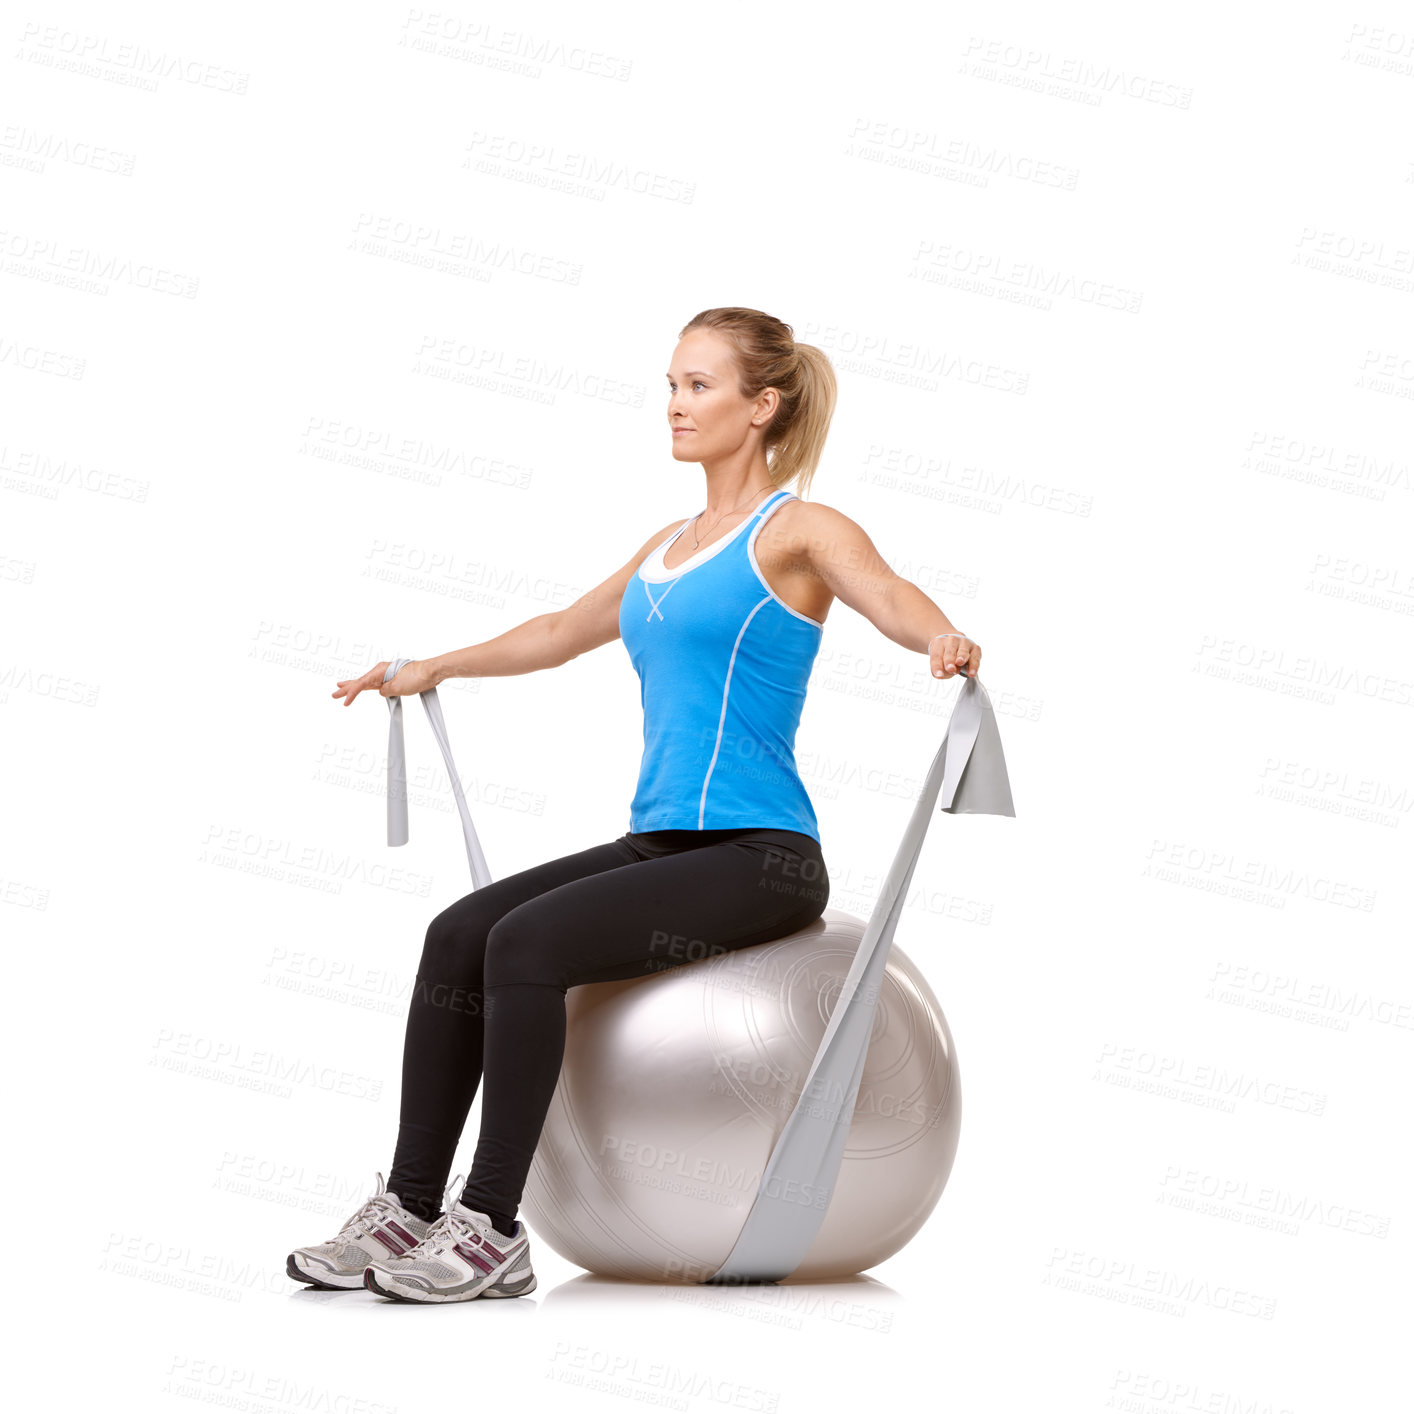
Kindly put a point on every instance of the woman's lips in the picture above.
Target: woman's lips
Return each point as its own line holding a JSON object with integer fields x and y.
{"x": 678, "y": 431}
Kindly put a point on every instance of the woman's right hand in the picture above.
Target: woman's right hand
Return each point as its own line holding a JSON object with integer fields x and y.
{"x": 372, "y": 680}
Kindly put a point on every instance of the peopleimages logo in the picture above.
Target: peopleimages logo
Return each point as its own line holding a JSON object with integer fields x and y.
{"x": 1025, "y": 66}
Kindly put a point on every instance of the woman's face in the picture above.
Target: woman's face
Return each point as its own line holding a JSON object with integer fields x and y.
{"x": 709, "y": 418}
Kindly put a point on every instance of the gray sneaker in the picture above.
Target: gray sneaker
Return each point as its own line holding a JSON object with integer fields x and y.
{"x": 382, "y": 1227}
{"x": 463, "y": 1257}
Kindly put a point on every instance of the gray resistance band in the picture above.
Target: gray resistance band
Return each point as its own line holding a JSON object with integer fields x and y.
{"x": 969, "y": 773}
{"x": 969, "y": 776}
{"x": 398, "y": 776}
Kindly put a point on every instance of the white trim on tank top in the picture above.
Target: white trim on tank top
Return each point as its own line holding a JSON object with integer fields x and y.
{"x": 653, "y": 560}
{"x": 751, "y": 556}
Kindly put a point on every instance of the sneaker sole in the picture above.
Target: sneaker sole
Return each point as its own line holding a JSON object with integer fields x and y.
{"x": 520, "y": 1288}
{"x": 355, "y": 1279}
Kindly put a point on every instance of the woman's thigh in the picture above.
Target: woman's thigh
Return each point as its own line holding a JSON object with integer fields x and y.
{"x": 658, "y": 913}
{"x": 454, "y": 950}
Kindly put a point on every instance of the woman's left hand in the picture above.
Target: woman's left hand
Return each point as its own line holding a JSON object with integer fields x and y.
{"x": 953, "y": 653}
{"x": 411, "y": 678}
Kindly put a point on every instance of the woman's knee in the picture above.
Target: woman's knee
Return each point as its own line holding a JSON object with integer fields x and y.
{"x": 521, "y": 949}
{"x": 454, "y": 947}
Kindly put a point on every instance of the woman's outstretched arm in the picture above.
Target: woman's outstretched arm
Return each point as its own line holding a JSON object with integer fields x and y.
{"x": 546, "y": 641}
{"x": 840, "y": 552}
{"x": 551, "y": 640}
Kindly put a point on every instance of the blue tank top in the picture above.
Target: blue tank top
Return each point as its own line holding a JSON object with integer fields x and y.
{"x": 723, "y": 665}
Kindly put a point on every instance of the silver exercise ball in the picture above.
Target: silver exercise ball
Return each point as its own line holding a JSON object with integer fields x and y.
{"x": 676, "y": 1085}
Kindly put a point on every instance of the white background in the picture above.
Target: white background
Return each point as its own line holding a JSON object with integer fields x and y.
{"x": 335, "y": 333}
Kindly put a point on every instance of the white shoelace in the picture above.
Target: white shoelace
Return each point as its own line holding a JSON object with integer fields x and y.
{"x": 368, "y": 1217}
{"x": 438, "y": 1236}
{"x": 451, "y": 1227}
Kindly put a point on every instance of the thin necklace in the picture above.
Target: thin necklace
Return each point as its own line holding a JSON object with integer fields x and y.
{"x": 721, "y": 517}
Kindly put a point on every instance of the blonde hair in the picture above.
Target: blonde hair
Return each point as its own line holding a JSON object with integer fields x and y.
{"x": 767, "y": 356}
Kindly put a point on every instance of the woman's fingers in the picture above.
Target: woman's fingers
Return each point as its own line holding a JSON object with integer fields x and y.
{"x": 349, "y": 688}
{"x": 955, "y": 652}
{"x": 945, "y": 648}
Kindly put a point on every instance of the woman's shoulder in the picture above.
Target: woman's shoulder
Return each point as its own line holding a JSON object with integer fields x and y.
{"x": 820, "y": 536}
{"x": 810, "y": 519}
{"x": 803, "y": 510}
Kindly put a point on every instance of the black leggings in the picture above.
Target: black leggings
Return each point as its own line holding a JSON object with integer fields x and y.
{"x": 489, "y": 994}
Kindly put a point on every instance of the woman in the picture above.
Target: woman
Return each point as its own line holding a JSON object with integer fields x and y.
{"x": 722, "y": 616}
